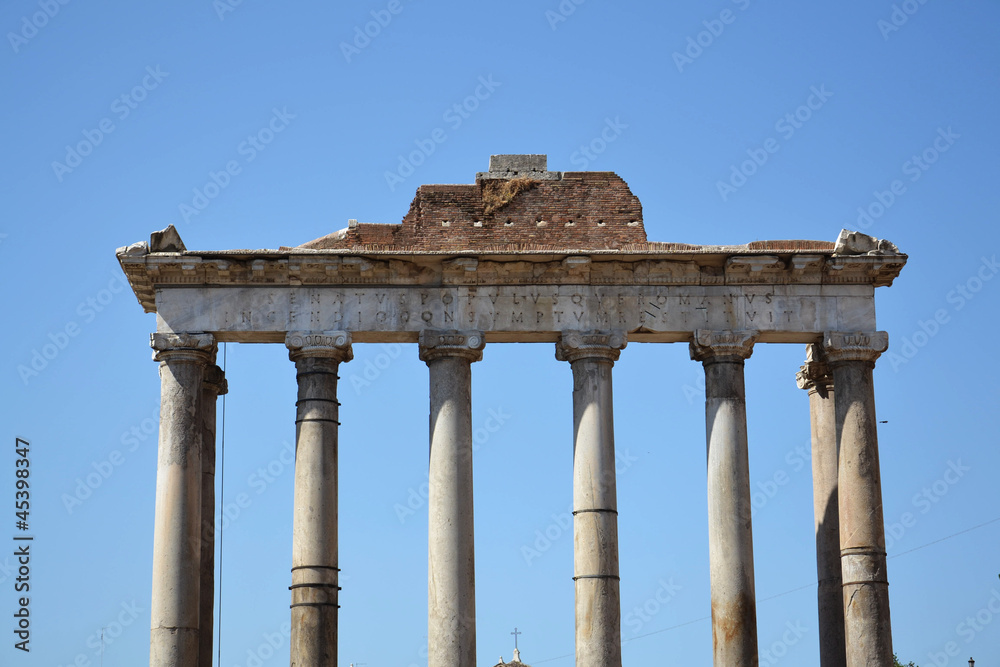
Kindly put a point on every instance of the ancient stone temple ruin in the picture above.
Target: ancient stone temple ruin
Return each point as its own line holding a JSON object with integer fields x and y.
{"x": 522, "y": 255}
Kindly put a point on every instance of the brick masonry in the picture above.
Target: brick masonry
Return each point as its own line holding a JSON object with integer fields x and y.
{"x": 575, "y": 211}
{"x": 578, "y": 210}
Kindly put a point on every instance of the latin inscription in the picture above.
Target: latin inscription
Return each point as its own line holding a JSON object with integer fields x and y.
{"x": 519, "y": 309}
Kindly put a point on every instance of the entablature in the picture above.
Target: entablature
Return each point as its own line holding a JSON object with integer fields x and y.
{"x": 706, "y": 266}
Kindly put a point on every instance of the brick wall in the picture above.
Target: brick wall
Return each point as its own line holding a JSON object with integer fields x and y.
{"x": 582, "y": 210}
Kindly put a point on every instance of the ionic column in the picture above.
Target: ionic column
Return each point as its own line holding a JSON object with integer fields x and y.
{"x": 595, "y": 498}
{"x": 851, "y": 357}
{"x": 214, "y": 385}
{"x": 815, "y": 378}
{"x": 175, "y": 605}
{"x": 730, "y": 535}
{"x": 451, "y": 589}
{"x": 317, "y": 355}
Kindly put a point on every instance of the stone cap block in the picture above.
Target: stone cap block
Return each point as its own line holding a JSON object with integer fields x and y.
{"x": 532, "y": 165}
{"x": 529, "y": 162}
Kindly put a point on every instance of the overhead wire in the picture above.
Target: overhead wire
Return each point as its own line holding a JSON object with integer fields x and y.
{"x": 788, "y": 592}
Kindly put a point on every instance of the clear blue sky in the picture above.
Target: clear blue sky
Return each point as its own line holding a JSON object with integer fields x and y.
{"x": 199, "y": 79}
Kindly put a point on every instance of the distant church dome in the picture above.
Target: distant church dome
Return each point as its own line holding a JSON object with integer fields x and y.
{"x": 516, "y": 662}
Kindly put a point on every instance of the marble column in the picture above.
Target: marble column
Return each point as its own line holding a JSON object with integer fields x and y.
{"x": 214, "y": 385}
{"x": 451, "y": 589}
{"x": 175, "y": 604}
{"x": 315, "y": 580}
{"x": 730, "y": 534}
{"x": 815, "y": 378}
{"x": 591, "y": 355}
{"x": 851, "y": 357}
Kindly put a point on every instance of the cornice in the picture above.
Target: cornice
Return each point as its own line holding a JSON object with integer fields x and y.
{"x": 148, "y": 272}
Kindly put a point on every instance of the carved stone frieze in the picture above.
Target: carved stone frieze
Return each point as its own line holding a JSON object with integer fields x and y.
{"x": 755, "y": 269}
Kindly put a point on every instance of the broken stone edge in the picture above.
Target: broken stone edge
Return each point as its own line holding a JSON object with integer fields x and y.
{"x": 855, "y": 259}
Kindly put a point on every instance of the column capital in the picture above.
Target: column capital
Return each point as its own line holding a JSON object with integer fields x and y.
{"x": 576, "y": 345}
{"x": 814, "y": 374}
{"x": 435, "y": 343}
{"x": 719, "y": 345}
{"x": 215, "y": 379}
{"x": 841, "y": 346}
{"x": 195, "y": 346}
{"x": 334, "y": 345}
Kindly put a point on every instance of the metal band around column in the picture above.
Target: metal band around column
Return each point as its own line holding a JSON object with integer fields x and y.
{"x": 592, "y": 355}
{"x": 315, "y": 572}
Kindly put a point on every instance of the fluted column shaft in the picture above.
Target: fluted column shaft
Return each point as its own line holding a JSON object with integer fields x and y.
{"x": 730, "y": 534}
{"x": 175, "y": 604}
{"x": 862, "y": 532}
{"x": 451, "y": 588}
{"x": 815, "y": 378}
{"x": 592, "y": 355}
{"x": 315, "y": 581}
{"x": 214, "y": 385}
